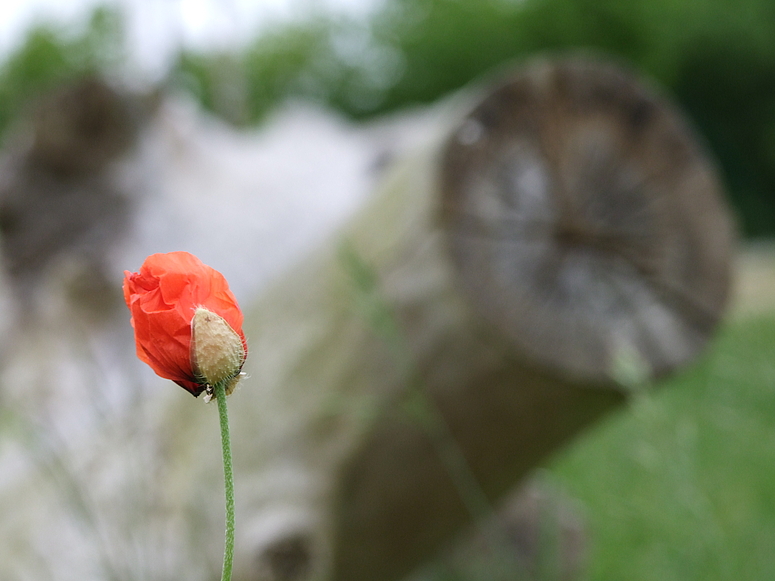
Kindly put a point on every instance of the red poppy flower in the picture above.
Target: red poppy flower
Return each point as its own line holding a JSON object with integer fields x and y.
{"x": 163, "y": 298}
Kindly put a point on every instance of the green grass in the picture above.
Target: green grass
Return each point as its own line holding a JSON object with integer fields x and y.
{"x": 681, "y": 485}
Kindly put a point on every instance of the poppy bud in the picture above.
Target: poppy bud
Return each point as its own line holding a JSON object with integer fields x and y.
{"x": 188, "y": 326}
{"x": 217, "y": 352}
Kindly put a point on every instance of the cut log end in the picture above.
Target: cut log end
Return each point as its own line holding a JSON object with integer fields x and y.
{"x": 586, "y": 223}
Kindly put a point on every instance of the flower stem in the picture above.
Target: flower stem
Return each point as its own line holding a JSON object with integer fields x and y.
{"x": 219, "y": 391}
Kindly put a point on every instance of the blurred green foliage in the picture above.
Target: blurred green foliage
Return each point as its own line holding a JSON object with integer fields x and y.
{"x": 717, "y": 57}
{"x": 334, "y": 61}
{"x": 50, "y": 56}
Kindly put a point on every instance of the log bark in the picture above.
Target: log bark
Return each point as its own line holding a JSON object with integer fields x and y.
{"x": 558, "y": 241}
{"x": 550, "y": 238}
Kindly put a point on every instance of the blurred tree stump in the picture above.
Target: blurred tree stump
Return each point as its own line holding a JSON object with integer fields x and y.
{"x": 564, "y": 236}
{"x": 57, "y": 196}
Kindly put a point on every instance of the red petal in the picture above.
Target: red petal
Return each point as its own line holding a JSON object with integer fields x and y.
{"x": 162, "y": 298}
